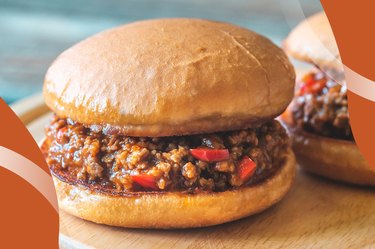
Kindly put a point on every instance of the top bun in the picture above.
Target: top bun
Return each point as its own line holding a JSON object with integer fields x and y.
{"x": 171, "y": 77}
{"x": 313, "y": 41}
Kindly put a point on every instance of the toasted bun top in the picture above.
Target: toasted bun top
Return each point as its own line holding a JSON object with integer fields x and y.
{"x": 313, "y": 41}
{"x": 171, "y": 77}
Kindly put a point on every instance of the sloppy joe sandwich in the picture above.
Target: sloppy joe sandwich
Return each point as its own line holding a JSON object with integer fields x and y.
{"x": 169, "y": 123}
{"x": 318, "y": 118}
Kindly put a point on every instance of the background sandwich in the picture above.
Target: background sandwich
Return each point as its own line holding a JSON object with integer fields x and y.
{"x": 318, "y": 118}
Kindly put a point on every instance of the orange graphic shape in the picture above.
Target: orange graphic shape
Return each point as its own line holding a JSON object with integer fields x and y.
{"x": 28, "y": 220}
{"x": 352, "y": 24}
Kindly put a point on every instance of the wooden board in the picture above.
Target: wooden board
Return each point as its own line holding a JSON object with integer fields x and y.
{"x": 316, "y": 213}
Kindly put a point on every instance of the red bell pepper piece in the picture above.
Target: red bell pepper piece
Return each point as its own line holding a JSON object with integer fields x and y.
{"x": 310, "y": 84}
{"x": 210, "y": 155}
{"x": 246, "y": 168}
{"x": 145, "y": 181}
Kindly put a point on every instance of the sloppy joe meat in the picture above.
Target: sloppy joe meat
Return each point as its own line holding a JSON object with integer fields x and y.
{"x": 89, "y": 156}
{"x": 321, "y": 107}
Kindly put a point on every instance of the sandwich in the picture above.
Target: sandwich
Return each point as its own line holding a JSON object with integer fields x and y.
{"x": 169, "y": 123}
{"x": 318, "y": 118}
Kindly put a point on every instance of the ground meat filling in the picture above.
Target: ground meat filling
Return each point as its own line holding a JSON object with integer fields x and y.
{"x": 321, "y": 107}
{"x": 125, "y": 164}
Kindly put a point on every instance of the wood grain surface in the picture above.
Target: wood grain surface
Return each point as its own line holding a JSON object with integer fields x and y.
{"x": 316, "y": 213}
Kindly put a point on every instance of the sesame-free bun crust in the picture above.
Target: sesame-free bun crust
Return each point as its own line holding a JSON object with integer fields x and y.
{"x": 171, "y": 77}
{"x": 313, "y": 41}
{"x": 336, "y": 159}
{"x": 173, "y": 209}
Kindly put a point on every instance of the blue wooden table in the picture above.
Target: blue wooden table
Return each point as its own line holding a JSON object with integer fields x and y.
{"x": 34, "y": 32}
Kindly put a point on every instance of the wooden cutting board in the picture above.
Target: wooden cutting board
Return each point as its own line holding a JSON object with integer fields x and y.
{"x": 316, "y": 213}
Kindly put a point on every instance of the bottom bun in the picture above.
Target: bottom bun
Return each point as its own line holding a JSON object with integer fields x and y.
{"x": 173, "y": 209}
{"x": 332, "y": 158}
